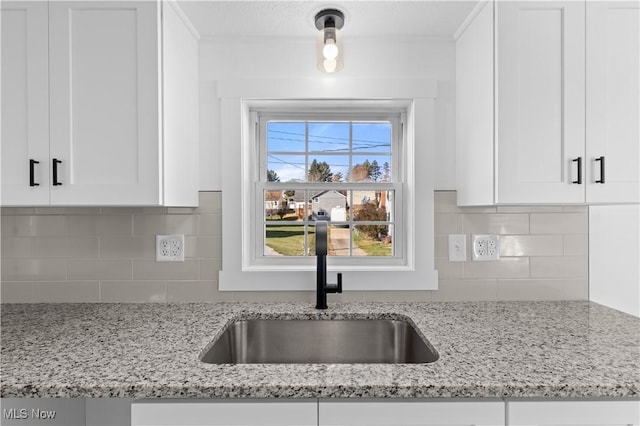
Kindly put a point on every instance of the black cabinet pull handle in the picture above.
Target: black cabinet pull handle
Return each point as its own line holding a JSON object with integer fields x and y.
{"x": 579, "y": 161}
{"x": 601, "y": 160}
{"x": 32, "y": 177}
{"x": 55, "y": 172}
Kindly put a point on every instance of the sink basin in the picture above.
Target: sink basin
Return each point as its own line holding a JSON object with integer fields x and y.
{"x": 320, "y": 342}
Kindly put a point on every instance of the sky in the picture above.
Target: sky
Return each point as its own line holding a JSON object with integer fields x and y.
{"x": 328, "y": 142}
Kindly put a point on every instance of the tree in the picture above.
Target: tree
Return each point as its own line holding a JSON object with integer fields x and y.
{"x": 359, "y": 173}
{"x": 272, "y": 176}
{"x": 370, "y": 211}
{"x": 283, "y": 209}
{"x": 319, "y": 172}
{"x": 337, "y": 177}
{"x": 374, "y": 171}
{"x": 386, "y": 171}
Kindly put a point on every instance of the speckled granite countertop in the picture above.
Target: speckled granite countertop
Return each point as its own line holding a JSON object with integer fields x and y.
{"x": 505, "y": 349}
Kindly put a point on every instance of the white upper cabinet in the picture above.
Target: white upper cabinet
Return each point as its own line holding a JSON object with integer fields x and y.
{"x": 105, "y": 142}
{"x": 563, "y": 101}
{"x": 613, "y": 102}
{"x": 25, "y": 103}
{"x": 540, "y": 101}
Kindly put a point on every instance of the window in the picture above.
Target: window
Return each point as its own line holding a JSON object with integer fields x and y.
{"x": 410, "y": 108}
{"x": 340, "y": 168}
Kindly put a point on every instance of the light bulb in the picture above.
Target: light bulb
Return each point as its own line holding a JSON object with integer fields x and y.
{"x": 330, "y": 65}
{"x": 330, "y": 49}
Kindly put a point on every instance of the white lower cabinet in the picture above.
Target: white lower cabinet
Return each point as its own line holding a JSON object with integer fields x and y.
{"x": 225, "y": 412}
{"x": 574, "y": 413}
{"x": 390, "y": 412}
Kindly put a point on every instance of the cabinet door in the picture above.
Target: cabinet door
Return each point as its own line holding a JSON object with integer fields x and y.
{"x": 25, "y": 103}
{"x": 540, "y": 101}
{"x": 224, "y": 413}
{"x": 574, "y": 413}
{"x": 104, "y": 66}
{"x": 613, "y": 101}
{"x": 391, "y": 412}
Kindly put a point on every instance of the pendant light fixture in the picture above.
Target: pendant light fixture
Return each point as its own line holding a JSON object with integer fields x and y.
{"x": 329, "y": 50}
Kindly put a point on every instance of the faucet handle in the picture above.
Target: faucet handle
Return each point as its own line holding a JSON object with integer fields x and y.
{"x": 339, "y": 285}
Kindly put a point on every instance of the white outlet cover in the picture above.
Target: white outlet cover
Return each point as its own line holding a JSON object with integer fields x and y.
{"x": 485, "y": 247}
{"x": 457, "y": 248}
{"x": 170, "y": 248}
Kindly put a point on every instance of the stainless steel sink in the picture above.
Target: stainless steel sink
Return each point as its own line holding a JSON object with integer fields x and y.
{"x": 320, "y": 342}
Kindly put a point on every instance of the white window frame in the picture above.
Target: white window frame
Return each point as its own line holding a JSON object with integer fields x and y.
{"x": 395, "y": 115}
{"x": 239, "y": 97}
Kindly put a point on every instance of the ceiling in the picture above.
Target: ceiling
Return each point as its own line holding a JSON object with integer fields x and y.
{"x": 264, "y": 18}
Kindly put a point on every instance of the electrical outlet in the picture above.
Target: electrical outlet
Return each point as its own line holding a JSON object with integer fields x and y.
{"x": 457, "y": 248}
{"x": 486, "y": 247}
{"x": 170, "y": 248}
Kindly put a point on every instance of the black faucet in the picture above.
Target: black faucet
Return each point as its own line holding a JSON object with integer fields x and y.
{"x": 322, "y": 288}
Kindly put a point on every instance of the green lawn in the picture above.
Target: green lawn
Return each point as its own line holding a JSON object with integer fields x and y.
{"x": 289, "y": 240}
{"x": 371, "y": 247}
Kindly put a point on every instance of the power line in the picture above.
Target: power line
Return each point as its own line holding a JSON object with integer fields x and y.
{"x": 328, "y": 137}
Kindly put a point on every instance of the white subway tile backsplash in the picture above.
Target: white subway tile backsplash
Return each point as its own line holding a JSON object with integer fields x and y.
{"x": 499, "y": 223}
{"x": 149, "y": 269}
{"x": 441, "y": 246}
{"x": 33, "y": 269}
{"x": 98, "y": 225}
{"x": 195, "y": 291}
{"x": 559, "y": 223}
{"x": 128, "y": 247}
{"x": 209, "y": 224}
{"x": 506, "y": 267}
{"x": 99, "y": 269}
{"x": 209, "y": 269}
{"x": 203, "y": 247}
{"x": 66, "y": 247}
{"x": 133, "y": 291}
{"x": 576, "y": 289}
{"x": 38, "y": 226}
{"x": 164, "y": 224}
{"x": 448, "y": 269}
{"x": 529, "y": 289}
{"x": 67, "y": 291}
{"x": 108, "y": 254}
{"x": 210, "y": 202}
{"x": 16, "y": 292}
{"x": 16, "y": 248}
{"x": 560, "y": 267}
{"x": 531, "y": 245}
{"x": 576, "y": 245}
{"x": 446, "y": 224}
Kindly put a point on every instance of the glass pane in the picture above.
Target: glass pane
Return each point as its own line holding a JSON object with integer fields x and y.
{"x": 286, "y": 136}
{"x": 328, "y": 137}
{"x": 284, "y": 205}
{"x": 284, "y": 239}
{"x": 329, "y": 205}
{"x": 339, "y": 240}
{"x": 285, "y": 168}
{"x": 372, "y": 240}
{"x": 372, "y": 137}
{"x": 328, "y": 168}
{"x": 368, "y": 206}
{"x": 370, "y": 168}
